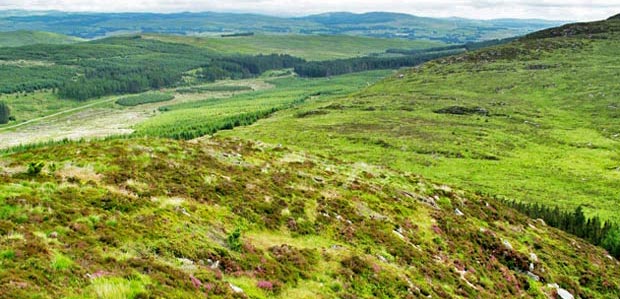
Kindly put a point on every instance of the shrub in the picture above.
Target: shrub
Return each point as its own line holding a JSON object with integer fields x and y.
{"x": 234, "y": 240}
{"x": 5, "y": 113}
{"x": 34, "y": 168}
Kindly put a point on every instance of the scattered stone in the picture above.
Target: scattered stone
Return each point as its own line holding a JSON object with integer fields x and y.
{"x": 564, "y": 294}
{"x": 541, "y": 222}
{"x": 235, "y": 288}
{"x": 215, "y": 265}
{"x": 182, "y": 211}
{"x": 533, "y": 276}
{"x": 53, "y": 235}
{"x": 533, "y": 257}
{"x": 458, "y": 212}
{"x": 398, "y": 234}
{"x": 381, "y": 258}
{"x": 507, "y": 245}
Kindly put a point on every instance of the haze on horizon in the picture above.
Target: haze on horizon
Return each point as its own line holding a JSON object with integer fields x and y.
{"x": 574, "y": 10}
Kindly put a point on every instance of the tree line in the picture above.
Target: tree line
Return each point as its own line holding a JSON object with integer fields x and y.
{"x": 345, "y": 66}
{"x": 472, "y": 46}
{"x": 132, "y": 64}
{"x": 601, "y": 233}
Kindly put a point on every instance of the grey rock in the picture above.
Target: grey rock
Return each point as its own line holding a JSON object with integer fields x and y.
{"x": 507, "y": 244}
{"x": 564, "y": 294}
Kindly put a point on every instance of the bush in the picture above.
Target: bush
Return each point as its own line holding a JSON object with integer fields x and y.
{"x": 234, "y": 240}
{"x": 612, "y": 241}
{"x": 5, "y": 113}
{"x": 34, "y": 168}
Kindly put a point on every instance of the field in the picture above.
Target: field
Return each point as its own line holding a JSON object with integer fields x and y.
{"x": 309, "y": 47}
{"x": 63, "y": 119}
{"x": 196, "y": 119}
{"x": 24, "y": 37}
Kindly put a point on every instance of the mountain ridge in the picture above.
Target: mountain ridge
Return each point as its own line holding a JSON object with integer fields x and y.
{"x": 375, "y": 24}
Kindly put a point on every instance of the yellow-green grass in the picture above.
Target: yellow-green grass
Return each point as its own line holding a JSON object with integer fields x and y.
{"x": 310, "y": 47}
{"x": 551, "y": 137}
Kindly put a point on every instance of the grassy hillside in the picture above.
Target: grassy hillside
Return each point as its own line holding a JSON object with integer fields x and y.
{"x": 199, "y": 118}
{"x": 386, "y": 25}
{"x": 313, "y": 190}
{"x": 225, "y": 218}
{"x": 535, "y": 120}
{"x": 24, "y": 37}
{"x": 320, "y": 47}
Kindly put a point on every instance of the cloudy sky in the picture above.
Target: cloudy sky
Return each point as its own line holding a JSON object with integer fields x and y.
{"x": 577, "y": 10}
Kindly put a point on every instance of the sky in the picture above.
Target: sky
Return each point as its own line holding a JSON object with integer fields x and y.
{"x": 573, "y": 10}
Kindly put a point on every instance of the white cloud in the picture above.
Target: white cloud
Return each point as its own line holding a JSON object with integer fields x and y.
{"x": 481, "y": 9}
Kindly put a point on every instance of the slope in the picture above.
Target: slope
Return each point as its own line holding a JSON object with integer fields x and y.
{"x": 226, "y": 218}
{"x": 309, "y": 47}
{"x": 24, "y": 37}
{"x": 535, "y": 120}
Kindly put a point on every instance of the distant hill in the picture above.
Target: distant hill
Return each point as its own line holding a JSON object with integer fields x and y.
{"x": 25, "y": 37}
{"x": 377, "y": 24}
{"x": 317, "y": 47}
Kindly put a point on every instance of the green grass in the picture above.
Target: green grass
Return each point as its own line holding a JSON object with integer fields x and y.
{"x": 24, "y": 37}
{"x": 33, "y": 105}
{"x": 148, "y": 217}
{"x": 118, "y": 288}
{"x": 145, "y": 98}
{"x": 61, "y": 262}
{"x": 198, "y": 118}
{"x": 321, "y": 47}
{"x": 551, "y": 137}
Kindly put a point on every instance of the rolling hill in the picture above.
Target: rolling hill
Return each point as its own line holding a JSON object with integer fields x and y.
{"x": 385, "y": 25}
{"x": 338, "y": 187}
{"x": 24, "y": 38}
{"x": 309, "y": 47}
{"x": 535, "y": 120}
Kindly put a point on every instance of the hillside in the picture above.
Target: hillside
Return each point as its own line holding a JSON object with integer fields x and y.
{"x": 535, "y": 120}
{"x": 24, "y": 37}
{"x": 226, "y": 218}
{"x": 385, "y": 25}
{"x": 229, "y": 176}
{"x": 309, "y": 47}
